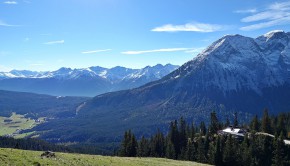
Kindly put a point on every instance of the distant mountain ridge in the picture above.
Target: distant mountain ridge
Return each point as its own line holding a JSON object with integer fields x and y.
{"x": 235, "y": 73}
{"x": 82, "y": 82}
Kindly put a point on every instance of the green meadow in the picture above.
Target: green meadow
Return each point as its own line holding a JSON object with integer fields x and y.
{"x": 15, "y": 123}
{"x": 11, "y": 157}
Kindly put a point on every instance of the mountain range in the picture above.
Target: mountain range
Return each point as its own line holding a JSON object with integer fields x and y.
{"x": 234, "y": 74}
{"x": 81, "y": 82}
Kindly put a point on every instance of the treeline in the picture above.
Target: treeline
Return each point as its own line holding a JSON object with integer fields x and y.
{"x": 41, "y": 145}
{"x": 31, "y": 144}
{"x": 203, "y": 144}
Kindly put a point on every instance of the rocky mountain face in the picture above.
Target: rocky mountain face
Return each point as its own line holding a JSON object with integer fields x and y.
{"x": 81, "y": 82}
{"x": 235, "y": 73}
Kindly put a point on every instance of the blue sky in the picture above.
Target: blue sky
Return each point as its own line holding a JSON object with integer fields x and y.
{"x": 48, "y": 34}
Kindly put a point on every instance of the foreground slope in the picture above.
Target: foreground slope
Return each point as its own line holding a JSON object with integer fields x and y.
{"x": 23, "y": 157}
{"x": 235, "y": 73}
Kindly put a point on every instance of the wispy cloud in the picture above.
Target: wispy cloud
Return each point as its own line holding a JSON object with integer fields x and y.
{"x": 190, "y": 27}
{"x": 156, "y": 50}
{"x": 10, "y": 2}
{"x": 95, "y": 51}
{"x": 274, "y": 14}
{"x": 254, "y": 10}
{"x": 195, "y": 50}
{"x": 3, "y": 23}
{"x": 54, "y": 42}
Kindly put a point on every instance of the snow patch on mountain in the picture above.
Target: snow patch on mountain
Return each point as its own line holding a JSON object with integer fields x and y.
{"x": 235, "y": 62}
{"x": 113, "y": 74}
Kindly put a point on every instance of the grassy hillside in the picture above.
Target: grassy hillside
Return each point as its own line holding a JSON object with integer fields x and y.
{"x": 23, "y": 157}
{"x": 15, "y": 123}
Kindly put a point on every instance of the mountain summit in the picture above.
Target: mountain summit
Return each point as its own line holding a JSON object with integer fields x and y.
{"x": 235, "y": 73}
{"x": 235, "y": 62}
{"x": 81, "y": 82}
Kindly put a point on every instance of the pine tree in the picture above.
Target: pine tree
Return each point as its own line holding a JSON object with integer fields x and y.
{"x": 246, "y": 157}
{"x": 192, "y": 131}
{"x": 170, "y": 151}
{"x": 124, "y": 145}
{"x": 190, "y": 150}
{"x": 143, "y": 148}
{"x": 266, "y": 123}
{"x": 158, "y": 147}
{"x": 229, "y": 152}
{"x": 206, "y": 145}
{"x": 267, "y": 150}
{"x": 214, "y": 123}
{"x": 281, "y": 126}
{"x": 227, "y": 122}
{"x": 255, "y": 124}
{"x": 200, "y": 150}
{"x": 132, "y": 149}
{"x": 182, "y": 136}
{"x": 218, "y": 156}
{"x": 279, "y": 151}
{"x": 256, "y": 150}
{"x": 202, "y": 128}
{"x": 129, "y": 145}
{"x": 261, "y": 149}
{"x": 236, "y": 122}
{"x": 174, "y": 137}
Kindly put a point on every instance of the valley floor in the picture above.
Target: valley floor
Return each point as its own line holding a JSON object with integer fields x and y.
{"x": 23, "y": 157}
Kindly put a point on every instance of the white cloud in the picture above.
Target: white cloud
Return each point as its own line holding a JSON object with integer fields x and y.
{"x": 280, "y": 6}
{"x": 157, "y": 50}
{"x": 95, "y": 51}
{"x": 195, "y": 50}
{"x": 281, "y": 21}
{"x": 190, "y": 27}
{"x": 254, "y": 10}
{"x": 54, "y": 42}
{"x": 274, "y": 14}
{"x": 2, "y": 23}
{"x": 267, "y": 15}
{"x": 10, "y": 2}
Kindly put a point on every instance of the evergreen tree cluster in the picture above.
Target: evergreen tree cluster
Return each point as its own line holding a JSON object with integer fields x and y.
{"x": 202, "y": 144}
{"x": 31, "y": 144}
{"x": 271, "y": 124}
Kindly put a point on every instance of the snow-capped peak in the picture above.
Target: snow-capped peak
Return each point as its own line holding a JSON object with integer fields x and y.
{"x": 234, "y": 62}
{"x": 114, "y": 74}
{"x": 272, "y": 33}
